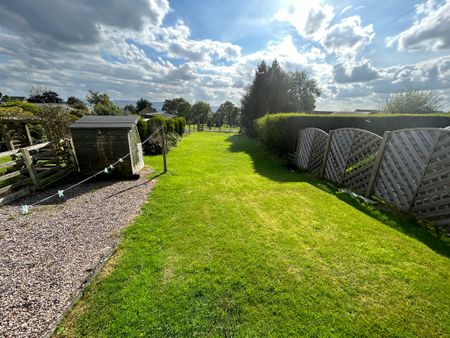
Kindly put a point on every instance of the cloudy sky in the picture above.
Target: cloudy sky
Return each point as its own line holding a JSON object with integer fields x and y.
{"x": 358, "y": 51}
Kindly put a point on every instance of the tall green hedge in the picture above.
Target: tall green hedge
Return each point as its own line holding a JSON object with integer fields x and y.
{"x": 279, "y": 132}
{"x": 174, "y": 128}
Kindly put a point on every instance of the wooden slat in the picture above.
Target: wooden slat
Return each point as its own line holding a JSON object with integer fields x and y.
{"x": 10, "y": 175}
{"x": 8, "y": 164}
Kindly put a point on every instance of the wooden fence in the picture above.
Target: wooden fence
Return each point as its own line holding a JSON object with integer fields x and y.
{"x": 408, "y": 168}
{"x": 33, "y": 168}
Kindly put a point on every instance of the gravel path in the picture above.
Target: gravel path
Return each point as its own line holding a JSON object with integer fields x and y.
{"x": 47, "y": 255}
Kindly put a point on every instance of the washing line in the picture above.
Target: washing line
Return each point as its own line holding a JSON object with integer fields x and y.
{"x": 24, "y": 209}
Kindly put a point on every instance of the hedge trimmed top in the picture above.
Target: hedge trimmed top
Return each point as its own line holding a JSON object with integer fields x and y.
{"x": 280, "y": 131}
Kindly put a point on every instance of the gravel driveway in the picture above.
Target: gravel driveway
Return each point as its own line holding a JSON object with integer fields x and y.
{"x": 47, "y": 255}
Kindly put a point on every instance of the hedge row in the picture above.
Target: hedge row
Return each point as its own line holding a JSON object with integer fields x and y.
{"x": 173, "y": 127}
{"x": 279, "y": 132}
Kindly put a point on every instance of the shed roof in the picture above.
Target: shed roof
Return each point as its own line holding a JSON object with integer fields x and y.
{"x": 106, "y": 122}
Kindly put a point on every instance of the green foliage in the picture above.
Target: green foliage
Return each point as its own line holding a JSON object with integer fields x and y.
{"x": 130, "y": 109}
{"x": 25, "y": 106}
{"x": 200, "y": 112}
{"x": 178, "y": 106}
{"x": 274, "y": 90}
{"x": 414, "y": 101}
{"x": 76, "y": 103}
{"x": 174, "y": 129}
{"x": 227, "y": 113}
{"x": 279, "y": 132}
{"x": 142, "y": 103}
{"x": 55, "y": 121}
{"x": 232, "y": 244}
{"x": 95, "y": 98}
{"x": 48, "y": 96}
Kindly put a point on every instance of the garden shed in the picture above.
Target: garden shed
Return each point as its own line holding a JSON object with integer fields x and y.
{"x": 102, "y": 140}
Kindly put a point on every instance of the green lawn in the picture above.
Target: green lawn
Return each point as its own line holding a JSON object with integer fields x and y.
{"x": 232, "y": 243}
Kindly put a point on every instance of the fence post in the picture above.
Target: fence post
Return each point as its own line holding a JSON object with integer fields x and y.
{"x": 29, "y": 138}
{"x": 72, "y": 154}
{"x": 377, "y": 163}
{"x": 164, "y": 146}
{"x": 29, "y": 164}
{"x": 325, "y": 155}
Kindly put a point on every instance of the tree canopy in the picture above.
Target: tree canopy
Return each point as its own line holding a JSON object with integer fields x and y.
{"x": 414, "y": 101}
{"x": 103, "y": 104}
{"x": 47, "y": 96}
{"x": 274, "y": 90}
{"x": 178, "y": 106}
{"x": 227, "y": 113}
{"x": 200, "y": 112}
{"x": 142, "y": 103}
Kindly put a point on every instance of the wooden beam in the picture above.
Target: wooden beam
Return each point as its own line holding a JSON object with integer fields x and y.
{"x": 29, "y": 164}
{"x": 29, "y": 138}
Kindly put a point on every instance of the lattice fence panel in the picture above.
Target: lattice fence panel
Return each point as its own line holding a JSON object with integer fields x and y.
{"x": 403, "y": 165}
{"x": 311, "y": 148}
{"x": 433, "y": 197}
{"x": 340, "y": 146}
{"x": 361, "y": 160}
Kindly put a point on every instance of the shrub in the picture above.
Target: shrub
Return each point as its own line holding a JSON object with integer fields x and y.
{"x": 173, "y": 127}
{"x": 279, "y": 132}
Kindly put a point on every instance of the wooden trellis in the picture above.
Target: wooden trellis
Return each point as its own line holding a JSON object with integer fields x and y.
{"x": 433, "y": 196}
{"x": 405, "y": 158}
{"x": 310, "y": 149}
{"x": 339, "y": 147}
{"x": 361, "y": 160}
{"x": 407, "y": 168}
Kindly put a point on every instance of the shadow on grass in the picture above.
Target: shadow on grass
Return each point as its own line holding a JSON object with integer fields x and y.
{"x": 270, "y": 166}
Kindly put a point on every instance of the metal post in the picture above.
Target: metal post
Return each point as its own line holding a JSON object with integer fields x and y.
{"x": 164, "y": 147}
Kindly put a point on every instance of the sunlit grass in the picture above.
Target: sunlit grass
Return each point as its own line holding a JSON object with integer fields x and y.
{"x": 231, "y": 243}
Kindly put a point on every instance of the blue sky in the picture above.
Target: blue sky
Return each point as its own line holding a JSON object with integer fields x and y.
{"x": 360, "y": 52}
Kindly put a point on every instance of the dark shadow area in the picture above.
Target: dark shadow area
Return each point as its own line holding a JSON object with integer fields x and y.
{"x": 279, "y": 170}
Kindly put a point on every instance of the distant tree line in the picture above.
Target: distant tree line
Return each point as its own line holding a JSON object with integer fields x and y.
{"x": 275, "y": 90}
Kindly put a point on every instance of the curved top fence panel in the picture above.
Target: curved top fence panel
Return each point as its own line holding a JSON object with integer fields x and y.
{"x": 310, "y": 149}
{"x": 338, "y": 152}
{"x": 403, "y": 165}
{"x": 433, "y": 196}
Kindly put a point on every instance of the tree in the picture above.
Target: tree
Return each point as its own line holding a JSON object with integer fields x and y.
{"x": 48, "y": 96}
{"x": 94, "y": 97}
{"x": 302, "y": 92}
{"x": 274, "y": 90}
{"x": 200, "y": 112}
{"x": 102, "y": 104}
{"x": 76, "y": 103}
{"x": 142, "y": 104}
{"x": 414, "y": 101}
{"x": 130, "y": 109}
{"x": 177, "y": 106}
{"x": 169, "y": 107}
{"x": 228, "y": 113}
{"x": 254, "y": 101}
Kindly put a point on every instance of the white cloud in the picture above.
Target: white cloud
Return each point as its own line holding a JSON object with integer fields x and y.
{"x": 358, "y": 72}
{"x": 431, "y": 31}
{"x": 348, "y": 38}
{"x": 310, "y": 18}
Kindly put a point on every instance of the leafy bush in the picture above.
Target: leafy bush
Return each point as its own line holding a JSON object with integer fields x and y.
{"x": 25, "y": 106}
{"x": 279, "y": 132}
{"x": 56, "y": 121}
{"x": 174, "y": 129}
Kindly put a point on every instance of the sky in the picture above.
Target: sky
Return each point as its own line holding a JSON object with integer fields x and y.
{"x": 359, "y": 52}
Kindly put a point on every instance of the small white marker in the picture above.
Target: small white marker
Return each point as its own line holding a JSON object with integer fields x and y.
{"x": 106, "y": 171}
{"x": 121, "y": 160}
{"x": 60, "y": 193}
{"x": 24, "y": 209}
